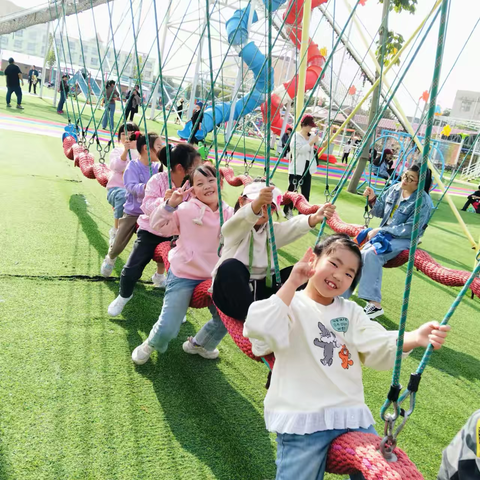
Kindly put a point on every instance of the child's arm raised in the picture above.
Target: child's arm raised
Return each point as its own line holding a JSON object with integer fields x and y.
{"x": 237, "y": 228}
{"x": 270, "y": 320}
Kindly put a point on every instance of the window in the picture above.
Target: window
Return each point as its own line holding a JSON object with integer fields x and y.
{"x": 85, "y": 49}
{"x": 72, "y": 45}
{"x": 31, "y": 48}
{"x": 19, "y": 34}
{"x": 32, "y": 36}
{"x": 149, "y": 65}
{"x": 94, "y": 61}
{"x": 17, "y": 45}
{"x": 4, "y": 41}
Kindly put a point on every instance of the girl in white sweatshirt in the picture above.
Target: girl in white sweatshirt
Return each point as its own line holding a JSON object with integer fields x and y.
{"x": 245, "y": 271}
{"x": 320, "y": 341}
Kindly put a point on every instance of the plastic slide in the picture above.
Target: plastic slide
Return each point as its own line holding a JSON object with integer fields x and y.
{"x": 78, "y": 79}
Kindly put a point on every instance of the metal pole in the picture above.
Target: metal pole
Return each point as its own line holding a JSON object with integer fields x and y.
{"x": 57, "y": 57}
{"x": 302, "y": 74}
{"x": 364, "y": 156}
{"x": 162, "y": 53}
{"x": 288, "y": 107}
{"x": 47, "y": 51}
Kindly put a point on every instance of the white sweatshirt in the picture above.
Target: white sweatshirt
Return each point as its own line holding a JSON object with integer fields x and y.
{"x": 317, "y": 377}
{"x": 237, "y": 232}
{"x": 301, "y": 152}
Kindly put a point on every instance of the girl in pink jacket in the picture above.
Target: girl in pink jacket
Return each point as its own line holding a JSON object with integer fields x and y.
{"x": 184, "y": 158}
{"x": 119, "y": 158}
{"x": 197, "y": 222}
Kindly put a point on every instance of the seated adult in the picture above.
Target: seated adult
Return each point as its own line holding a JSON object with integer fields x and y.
{"x": 473, "y": 199}
{"x": 396, "y": 208}
{"x": 385, "y": 164}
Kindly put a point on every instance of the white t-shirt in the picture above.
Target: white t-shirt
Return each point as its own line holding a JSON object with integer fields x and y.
{"x": 346, "y": 148}
{"x": 401, "y": 198}
{"x": 319, "y": 351}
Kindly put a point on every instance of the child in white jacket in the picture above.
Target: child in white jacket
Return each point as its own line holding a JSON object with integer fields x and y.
{"x": 320, "y": 341}
{"x": 245, "y": 271}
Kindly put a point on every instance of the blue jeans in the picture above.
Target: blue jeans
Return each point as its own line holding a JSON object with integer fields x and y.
{"x": 370, "y": 285}
{"x": 178, "y": 294}
{"x": 61, "y": 102}
{"x": 304, "y": 457}
{"x": 116, "y": 197}
{"x": 108, "y": 114}
{"x": 17, "y": 91}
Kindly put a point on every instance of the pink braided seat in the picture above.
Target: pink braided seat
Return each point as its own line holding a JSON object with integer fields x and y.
{"x": 358, "y": 452}
{"x": 86, "y": 162}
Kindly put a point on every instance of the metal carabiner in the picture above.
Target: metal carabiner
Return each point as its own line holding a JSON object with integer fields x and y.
{"x": 367, "y": 216}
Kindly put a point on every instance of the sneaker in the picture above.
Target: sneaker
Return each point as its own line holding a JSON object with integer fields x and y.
{"x": 8, "y": 105}
{"x": 112, "y": 234}
{"x": 184, "y": 319}
{"x": 159, "y": 280}
{"x": 372, "y": 311}
{"x": 191, "y": 347}
{"x": 20, "y": 107}
{"x": 117, "y": 306}
{"x": 142, "y": 353}
{"x": 60, "y": 112}
{"x": 107, "y": 266}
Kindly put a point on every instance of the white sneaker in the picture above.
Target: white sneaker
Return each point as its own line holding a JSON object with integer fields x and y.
{"x": 107, "y": 266}
{"x": 372, "y": 311}
{"x": 112, "y": 233}
{"x": 117, "y": 306}
{"x": 159, "y": 280}
{"x": 190, "y": 347}
{"x": 184, "y": 319}
{"x": 142, "y": 353}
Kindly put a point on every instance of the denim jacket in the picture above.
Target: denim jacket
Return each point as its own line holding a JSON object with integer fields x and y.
{"x": 402, "y": 221}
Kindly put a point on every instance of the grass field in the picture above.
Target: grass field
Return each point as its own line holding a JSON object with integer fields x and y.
{"x": 72, "y": 404}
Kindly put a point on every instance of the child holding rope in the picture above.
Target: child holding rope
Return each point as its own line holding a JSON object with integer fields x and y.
{"x": 119, "y": 158}
{"x": 320, "y": 341}
{"x": 246, "y": 265}
{"x": 197, "y": 222}
{"x": 184, "y": 158}
{"x": 137, "y": 173}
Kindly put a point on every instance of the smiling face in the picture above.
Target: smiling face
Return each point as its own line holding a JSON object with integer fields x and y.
{"x": 205, "y": 188}
{"x": 334, "y": 274}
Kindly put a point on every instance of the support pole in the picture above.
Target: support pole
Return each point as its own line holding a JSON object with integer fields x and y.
{"x": 419, "y": 145}
{"x": 162, "y": 53}
{"x": 365, "y": 154}
{"x": 302, "y": 74}
{"x": 57, "y": 58}
{"x": 287, "y": 108}
{"x": 47, "y": 51}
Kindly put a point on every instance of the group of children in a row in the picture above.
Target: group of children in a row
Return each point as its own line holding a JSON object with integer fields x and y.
{"x": 319, "y": 339}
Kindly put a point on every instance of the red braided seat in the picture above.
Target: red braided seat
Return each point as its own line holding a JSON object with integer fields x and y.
{"x": 68, "y": 142}
{"x": 102, "y": 173}
{"x": 229, "y": 175}
{"x": 358, "y": 452}
{"x": 86, "y": 161}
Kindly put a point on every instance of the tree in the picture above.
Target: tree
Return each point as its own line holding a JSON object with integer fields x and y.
{"x": 51, "y": 59}
{"x": 137, "y": 69}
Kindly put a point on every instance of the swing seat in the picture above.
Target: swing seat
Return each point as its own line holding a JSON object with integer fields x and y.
{"x": 359, "y": 452}
{"x": 102, "y": 173}
{"x": 68, "y": 143}
{"x": 85, "y": 162}
{"x": 236, "y": 181}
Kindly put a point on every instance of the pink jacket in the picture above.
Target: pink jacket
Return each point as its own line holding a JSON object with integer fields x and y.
{"x": 154, "y": 197}
{"x": 118, "y": 166}
{"x": 198, "y": 228}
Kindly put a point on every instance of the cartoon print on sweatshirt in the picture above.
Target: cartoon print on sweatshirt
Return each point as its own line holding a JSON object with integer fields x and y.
{"x": 328, "y": 341}
{"x": 345, "y": 356}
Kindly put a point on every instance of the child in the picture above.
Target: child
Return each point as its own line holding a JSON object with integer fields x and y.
{"x": 320, "y": 341}
{"x": 246, "y": 265}
{"x": 197, "y": 222}
{"x": 119, "y": 158}
{"x": 184, "y": 158}
{"x": 136, "y": 176}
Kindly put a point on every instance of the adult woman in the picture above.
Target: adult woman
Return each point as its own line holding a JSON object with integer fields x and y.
{"x": 302, "y": 163}
{"x": 132, "y": 103}
{"x": 385, "y": 164}
{"x": 396, "y": 208}
{"x": 111, "y": 96}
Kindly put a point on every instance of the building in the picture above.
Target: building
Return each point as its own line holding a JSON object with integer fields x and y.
{"x": 466, "y": 105}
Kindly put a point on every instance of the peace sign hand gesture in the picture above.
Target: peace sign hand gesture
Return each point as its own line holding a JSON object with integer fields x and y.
{"x": 177, "y": 195}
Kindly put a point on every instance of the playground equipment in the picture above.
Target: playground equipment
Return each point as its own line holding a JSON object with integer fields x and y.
{"x": 87, "y": 86}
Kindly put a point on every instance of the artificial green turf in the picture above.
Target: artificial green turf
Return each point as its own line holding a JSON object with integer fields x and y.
{"x": 73, "y": 406}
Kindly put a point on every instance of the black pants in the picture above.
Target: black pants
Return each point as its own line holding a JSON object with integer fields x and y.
{"x": 469, "y": 202}
{"x": 305, "y": 187}
{"x": 30, "y": 87}
{"x": 141, "y": 254}
{"x": 130, "y": 111}
{"x": 345, "y": 157}
{"x": 233, "y": 292}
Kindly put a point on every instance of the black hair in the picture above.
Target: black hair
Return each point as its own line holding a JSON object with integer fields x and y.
{"x": 428, "y": 178}
{"x": 206, "y": 170}
{"x": 110, "y": 83}
{"x": 289, "y": 128}
{"x": 142, "y": 141}
{"x": 182, "y": 154}
{"x": 11, "y": 60}
{"x": 341, "y": 240}
{"x": 131, "y": 127}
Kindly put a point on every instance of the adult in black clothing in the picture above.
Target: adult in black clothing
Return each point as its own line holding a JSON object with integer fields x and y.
{"x": 196, "y": 119}
{"x": 179, "y": 111}
{"x": 474, "y": 197}
{"x": 32, "y": 80}
{"x": 133, "y": 102}
{"x": 14, "y": 76}
{"x": 63, "y": 90}
{"x": 285, "y": 138}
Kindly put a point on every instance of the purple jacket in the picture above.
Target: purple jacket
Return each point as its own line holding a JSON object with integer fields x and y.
{"x": 135, "y": 178}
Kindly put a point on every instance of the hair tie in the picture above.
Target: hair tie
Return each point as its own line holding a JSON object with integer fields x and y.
{"x": 137, "y": 134}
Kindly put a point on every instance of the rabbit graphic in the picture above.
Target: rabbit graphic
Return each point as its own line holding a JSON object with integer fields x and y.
{"x": 328, "y": 341}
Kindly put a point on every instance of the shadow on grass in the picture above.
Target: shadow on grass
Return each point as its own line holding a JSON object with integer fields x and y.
{"x": 454, "y": 363}
{"x": 4, "y": 465}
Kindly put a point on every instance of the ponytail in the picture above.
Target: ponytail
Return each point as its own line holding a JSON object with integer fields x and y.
{"x": 182, "y": 154}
